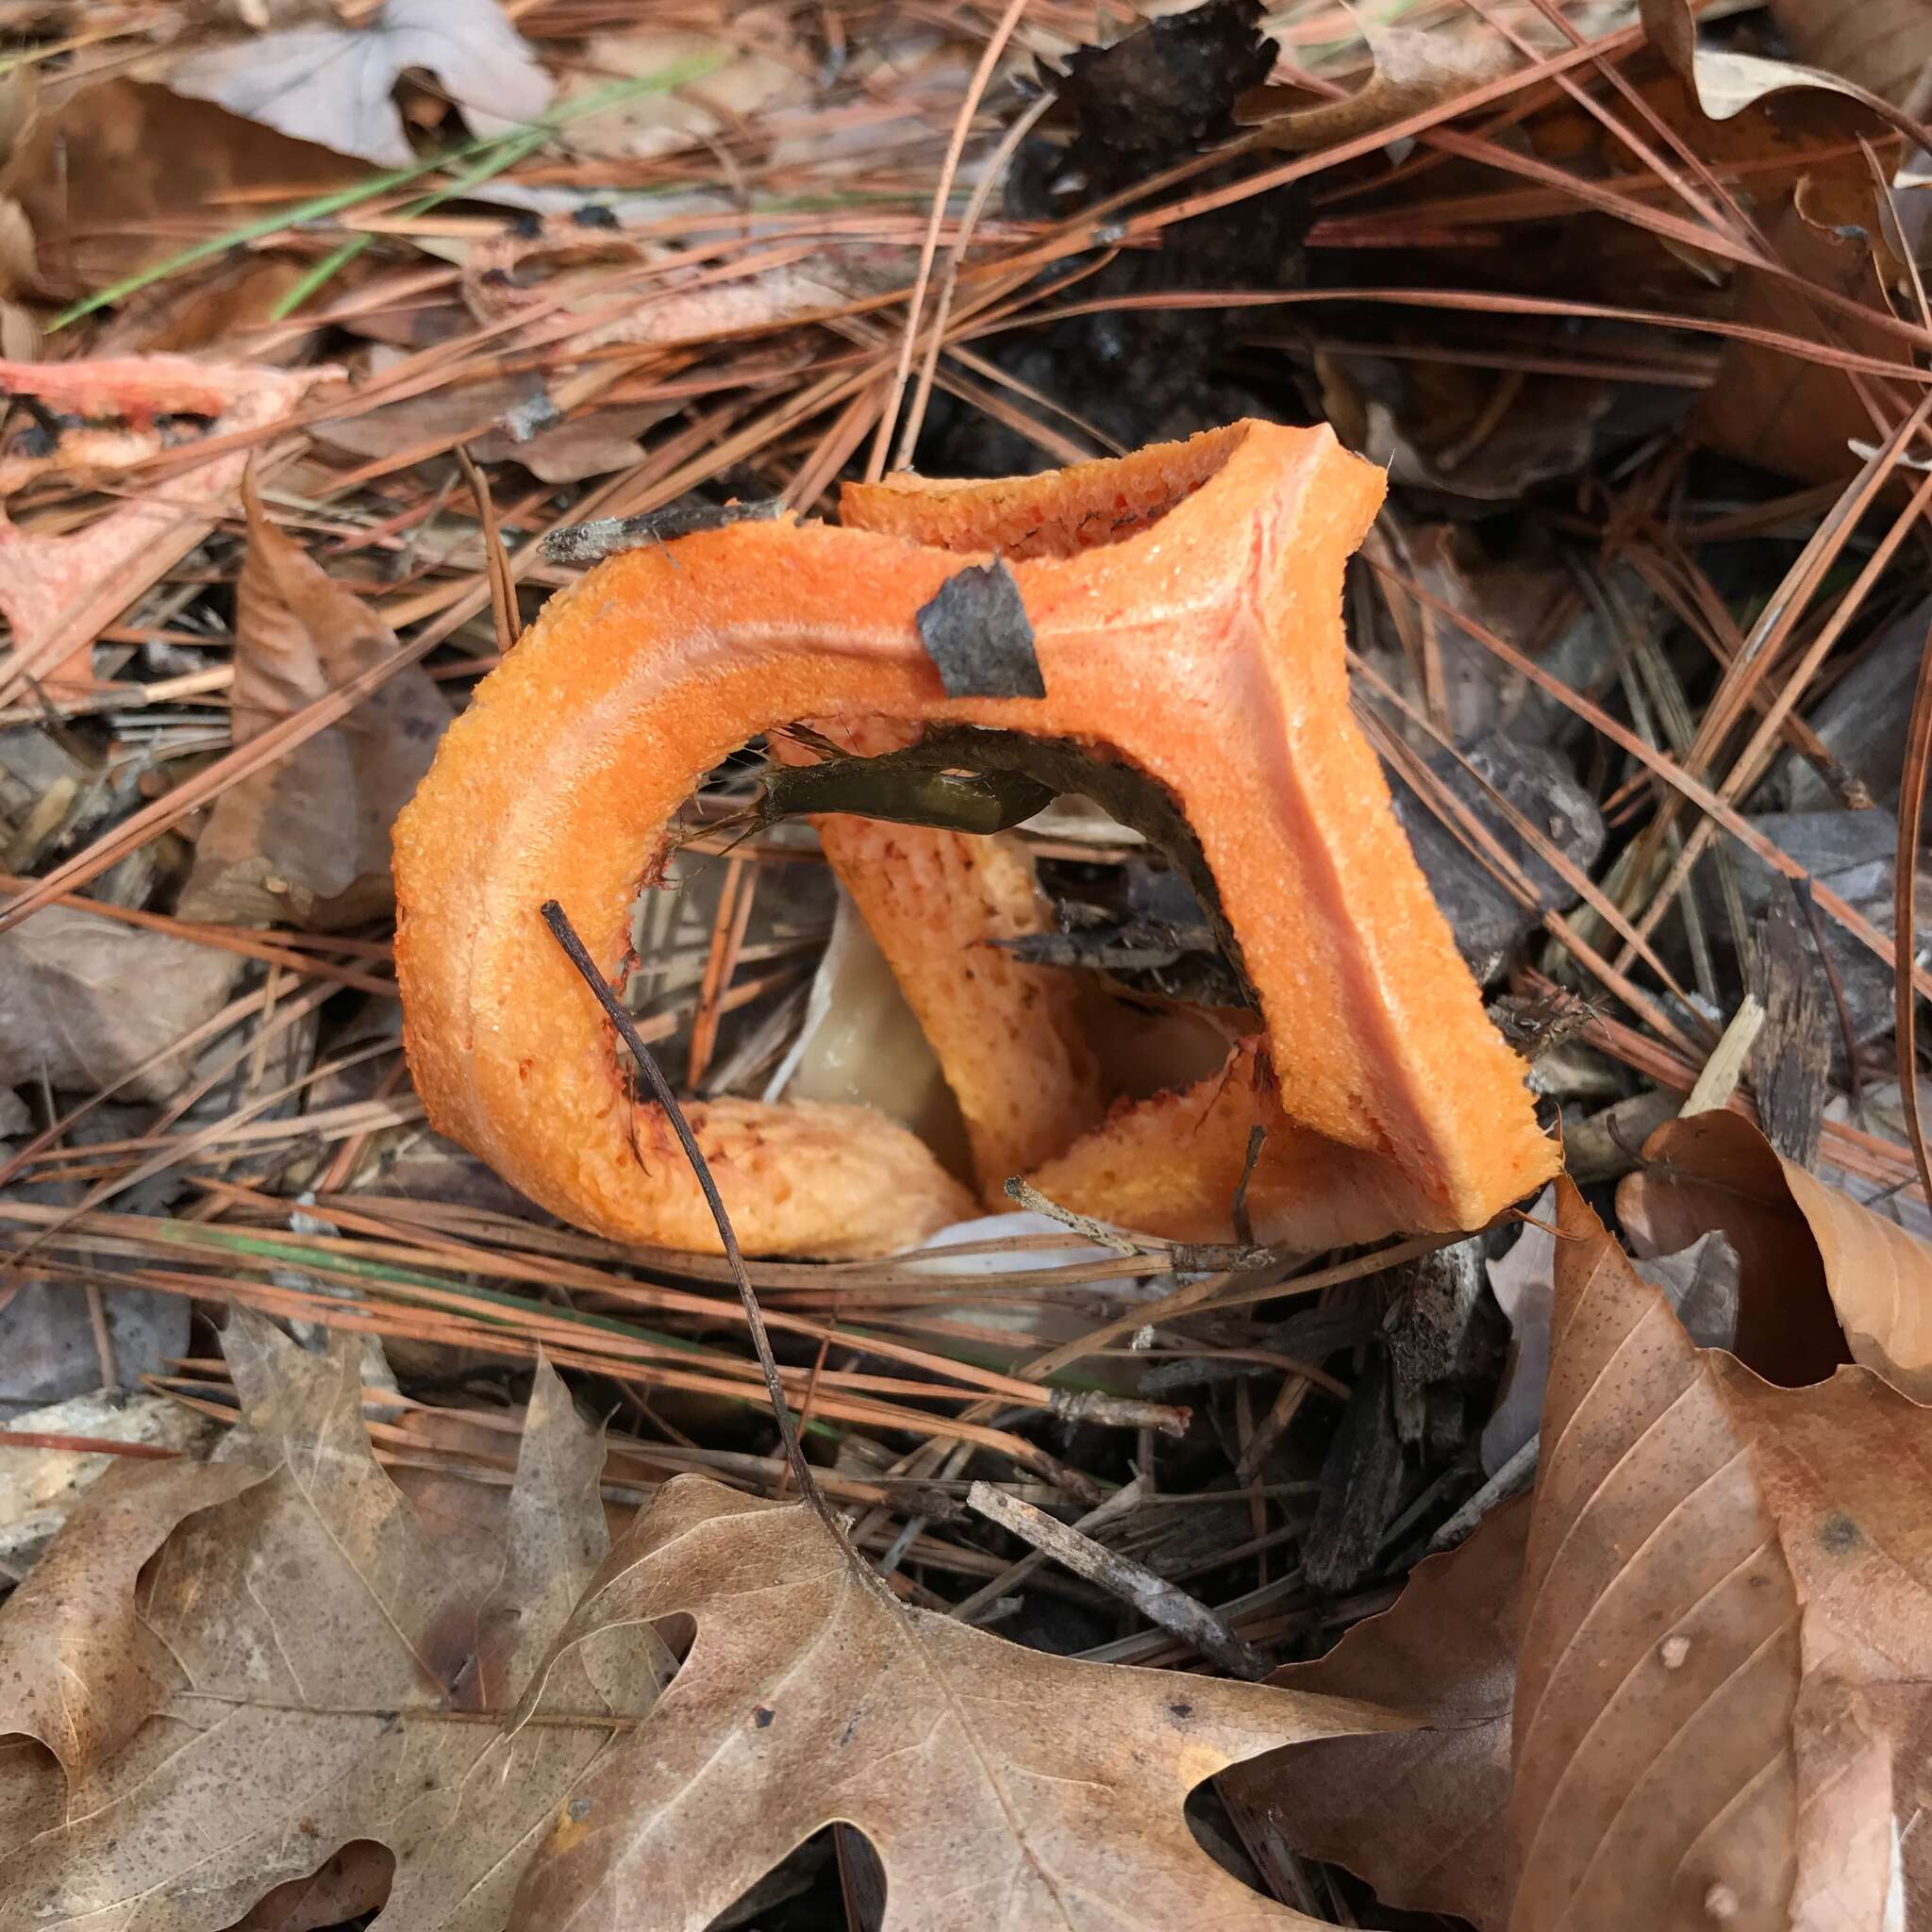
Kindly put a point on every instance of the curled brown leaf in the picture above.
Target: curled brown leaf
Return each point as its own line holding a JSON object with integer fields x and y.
{"x": 1726, "y": 1629}
{"x": 1809, "y": 1251}
{"x": 1419, "y": 1814}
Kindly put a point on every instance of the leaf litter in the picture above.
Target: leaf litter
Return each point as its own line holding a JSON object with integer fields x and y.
{"x": 505, "y": 1728}
{"x": 648, "y": 274}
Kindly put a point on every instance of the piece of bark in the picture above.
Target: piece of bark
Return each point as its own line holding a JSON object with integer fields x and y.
{"x": 1791, "y": 1061}
{"x": 1608, "y": 1143}
{"x": 1158, "y": 1600}
{"x": 1361, "y": 1478}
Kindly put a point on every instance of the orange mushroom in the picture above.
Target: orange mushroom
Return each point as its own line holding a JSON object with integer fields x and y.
{"x": 1185, "y": 608}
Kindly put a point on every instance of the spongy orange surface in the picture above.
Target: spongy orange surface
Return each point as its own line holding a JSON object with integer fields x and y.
{"x": 1006, "y": 1035}
{"x": 1185, "y": 606}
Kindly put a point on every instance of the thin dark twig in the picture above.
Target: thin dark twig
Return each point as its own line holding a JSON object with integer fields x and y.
{"x": 566, "y": 935}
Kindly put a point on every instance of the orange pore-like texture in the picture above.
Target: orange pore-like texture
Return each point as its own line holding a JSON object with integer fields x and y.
{"x": 1185, "y": 606}
{"x": 1006, "y": 1035}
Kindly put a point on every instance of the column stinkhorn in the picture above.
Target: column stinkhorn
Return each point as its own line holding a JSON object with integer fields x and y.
{"x": 1185, "y": 604}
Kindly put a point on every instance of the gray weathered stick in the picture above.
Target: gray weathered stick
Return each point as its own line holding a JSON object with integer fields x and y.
{"x": 1123, "y": 1501}
{"x": 1156, "y": 1599}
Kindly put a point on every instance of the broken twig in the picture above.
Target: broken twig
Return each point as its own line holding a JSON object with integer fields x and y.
{"x": 1158, "y": 1600}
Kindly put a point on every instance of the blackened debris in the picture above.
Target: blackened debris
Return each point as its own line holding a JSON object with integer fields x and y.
{"x": 978, "y": 635}
{"x": 606, "y": 535}
{"x": 1137, "y": 923}
{"x": 593, "y": 215}
{"x": 1167, "y": 89}
{"x": 1153, "y": 99}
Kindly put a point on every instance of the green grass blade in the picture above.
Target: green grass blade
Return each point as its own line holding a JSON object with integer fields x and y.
{"x": 495, "y": 151}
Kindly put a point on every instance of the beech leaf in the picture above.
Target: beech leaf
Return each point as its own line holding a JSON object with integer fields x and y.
{"x": 303, "y": 1666}
{"x": 1724, "y": 1683}
{"x": 306, "y": 839}
{"x": 1799, "y": 1241}
{"x": 1000, "y": 1787}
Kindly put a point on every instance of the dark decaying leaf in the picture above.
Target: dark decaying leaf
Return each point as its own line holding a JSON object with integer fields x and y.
{"x": 977, "y": 634}
{"x": 1418, "y": 1814}
{"x": 1166, "y": 89}
{"x": 306, "y": 839}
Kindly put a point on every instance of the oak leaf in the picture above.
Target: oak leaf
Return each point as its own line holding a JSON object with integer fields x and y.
{"x": 303, "y": 1667}
{"x": 1001, "y": 1787}
{"x": 1702, "y": 1694}
{"x": 306, "y": 838}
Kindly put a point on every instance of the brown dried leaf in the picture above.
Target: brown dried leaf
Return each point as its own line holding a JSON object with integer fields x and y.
{"x": 73, "y": 1620}
{"x": 89, "y": 177}
{"x": 1418, "y": 1814}
{"x": 85, "y": 1001}
{"x": 1726, "y": 1629}
{"x": 1799, "y": 1241}
{"x": 1413, "y": 71}
{"x": 306, "y": 838}
{"x": 1727, "y": 83}
{"x": 1827, "y": 223}
{"x": 1880, "y": 44}
{"x": 999, "y": 1786}
{"x": 746, "y": 84}
{"x": 1803, "y": 418}
{"x": 303, "y": 1667}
